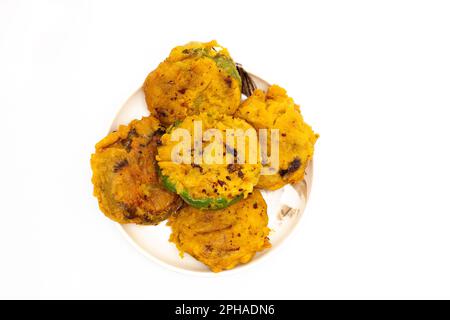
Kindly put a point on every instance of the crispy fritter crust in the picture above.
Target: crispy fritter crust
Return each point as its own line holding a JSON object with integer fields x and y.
{"x": 220, "y": 183}
{"x": 275, "y": 110}
{"x": 194, "y": 78}
{"x": 124, "y": 175}
{"x": 222, "y": 239}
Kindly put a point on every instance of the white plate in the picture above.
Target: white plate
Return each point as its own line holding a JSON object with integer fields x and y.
{"x": 285, "y": 207}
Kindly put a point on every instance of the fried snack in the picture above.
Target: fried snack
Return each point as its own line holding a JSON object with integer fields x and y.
{"x": 215, "y": 183}
{"x": 275, "y": 110}
{"x": 125, "y": 178}
{"x": 194, "y": 78}
{"x": 224, "y": 238}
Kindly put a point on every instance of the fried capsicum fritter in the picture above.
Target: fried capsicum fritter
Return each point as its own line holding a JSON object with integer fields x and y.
{"x": 125, "y": 179}
{"x": 275, "y": 110}
{"x": 222, "y": 239}
{"x": 221, "y": 178}
{"x": 194, "y": 78}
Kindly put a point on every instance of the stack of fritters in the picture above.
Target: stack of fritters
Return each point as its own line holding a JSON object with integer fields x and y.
{"x": 223, "y": 219}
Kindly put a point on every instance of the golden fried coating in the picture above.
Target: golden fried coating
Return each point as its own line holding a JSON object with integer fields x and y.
{"x": 215, "y": 183}
{"x": 275, "y": 110}
{"x": 194, "y": 78}
{"x": 222, "y": 239}
{"x": 125, "y": 178}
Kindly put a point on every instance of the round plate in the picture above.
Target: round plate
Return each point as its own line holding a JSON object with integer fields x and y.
{"x": 285, "y": 207}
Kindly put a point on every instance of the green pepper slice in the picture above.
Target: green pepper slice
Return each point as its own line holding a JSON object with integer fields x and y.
{"x": 199, "y": 203}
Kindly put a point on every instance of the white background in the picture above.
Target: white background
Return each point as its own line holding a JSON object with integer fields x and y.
{"x": 372, "y": 77}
